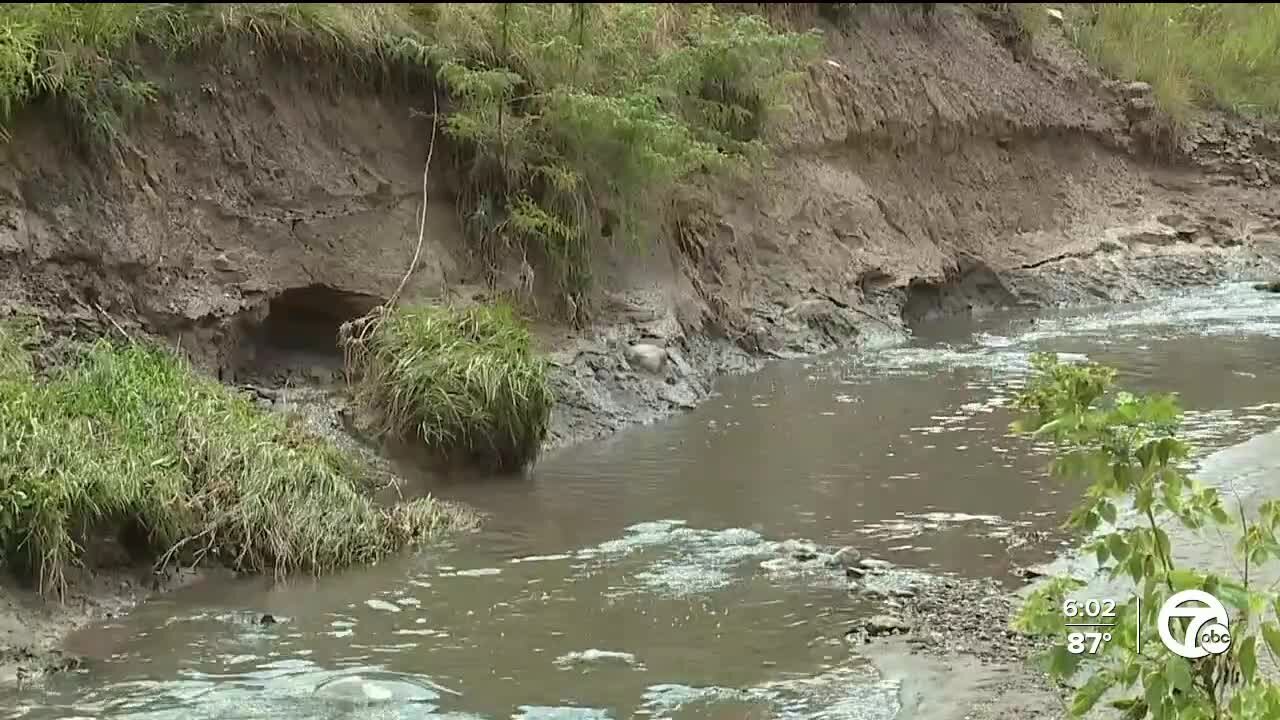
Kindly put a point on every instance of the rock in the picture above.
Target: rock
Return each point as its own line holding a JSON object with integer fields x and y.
{"x": 885, "y": 625}
{"x": 267, "y": 619}
{"x": 602, "y": 375}
{"x": 1273, "y": 286}
{"x": 222, "y": 263}
{"x": 846, "y": 557}
{"x": 681, "y": 395}
{"x": 1055, "y": 16}
{"x": 903, "y": 593}
{"x": 1139, "y": 108}
{"x": 649, "y": 358}
{"x": 805, "y": 555}
{"x": 1135, "y": 89}
{"x": 874, "y": 564}
{"x": 854, "y": 573}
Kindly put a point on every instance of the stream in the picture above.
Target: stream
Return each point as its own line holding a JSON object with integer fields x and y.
{"x": 652, "y": 574}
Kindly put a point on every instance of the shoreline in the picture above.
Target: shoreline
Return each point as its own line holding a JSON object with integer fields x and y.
{"x": 104, "y": 593}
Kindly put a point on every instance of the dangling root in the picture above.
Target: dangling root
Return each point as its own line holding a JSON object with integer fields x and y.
{"x": 354, "y": 334}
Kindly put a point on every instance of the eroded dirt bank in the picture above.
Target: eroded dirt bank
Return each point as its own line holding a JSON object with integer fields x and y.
{"x": 922, "y": 169}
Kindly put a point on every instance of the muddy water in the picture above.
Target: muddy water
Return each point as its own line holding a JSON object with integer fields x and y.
{"x": 653, "y": 574}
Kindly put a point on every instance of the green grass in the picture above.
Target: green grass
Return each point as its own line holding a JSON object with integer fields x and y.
{"x": 130, "y": 439}
{"x": 83, "y": 57}
{"x": 1193, "y": 55}
{"x": 461, "y": 380}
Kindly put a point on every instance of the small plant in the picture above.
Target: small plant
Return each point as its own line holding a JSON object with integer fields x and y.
{"x": 459, "y": 379}
{"x": 1127, "y": 448}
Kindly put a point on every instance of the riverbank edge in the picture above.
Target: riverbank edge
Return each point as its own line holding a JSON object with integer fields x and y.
{"x": 636, "y": 397}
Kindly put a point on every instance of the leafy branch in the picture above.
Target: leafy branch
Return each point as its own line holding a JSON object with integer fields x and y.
{"x": 1126, "y": 447}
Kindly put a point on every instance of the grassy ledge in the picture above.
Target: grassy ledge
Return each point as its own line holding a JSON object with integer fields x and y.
{"x": 462, "y": 380}
{"x": 1193, "y": 54}
{"x": 131, "y": 441}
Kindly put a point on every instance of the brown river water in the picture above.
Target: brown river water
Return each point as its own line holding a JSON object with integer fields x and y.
{"x": 648, "y": 575}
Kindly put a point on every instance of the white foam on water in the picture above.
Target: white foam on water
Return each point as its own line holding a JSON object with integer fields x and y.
{"x": 540, "y": 558}
{"x": 594, "y": 655}
{"x": 383, "y": 605}
{"x": 542, "y": 712}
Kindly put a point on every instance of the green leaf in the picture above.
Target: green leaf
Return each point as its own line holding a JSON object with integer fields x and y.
{"x": 1162, "y": 543}
{"x": 1088, "y": 696}
{"x": 1142, "y": 501}
{"x": 1249, "y": 657}
{"x": 1137, "y": 566}
{"x": 1234, "y": 595}
{"x": 1101, "y": 552}
{"x": 1061, "y": 663}
{"x": 1155, "y": 690}
{"x": 1271, "y": 634}
{"x": 1185, "y": 579}
{"x": 1116, "y": 545}
{"x": 1091, "y": 521}
{"x": 1178, "y": 672}
{"x": 1108, "y": 512}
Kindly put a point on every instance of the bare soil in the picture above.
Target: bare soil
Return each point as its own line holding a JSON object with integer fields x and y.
{"x": 923, "y": 167}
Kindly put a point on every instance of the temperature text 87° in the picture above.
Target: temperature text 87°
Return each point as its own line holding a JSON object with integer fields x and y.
{"x": 1086, "y": 642}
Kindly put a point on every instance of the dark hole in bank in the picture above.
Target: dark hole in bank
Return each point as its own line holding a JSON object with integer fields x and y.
{"x": 298, "y": 335}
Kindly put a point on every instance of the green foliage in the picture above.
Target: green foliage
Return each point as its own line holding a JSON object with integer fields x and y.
{"x": 82, "y": 56}
{"x": 1223, "y": 54}
{"x": 1127, "y": 448}
{"x": 461, "y": 380}
{"x": 130, "y": 441}
{"x": 579, "y": 121}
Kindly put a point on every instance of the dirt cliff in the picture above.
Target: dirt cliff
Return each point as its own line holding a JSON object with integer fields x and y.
{"x": 924, "y": 166}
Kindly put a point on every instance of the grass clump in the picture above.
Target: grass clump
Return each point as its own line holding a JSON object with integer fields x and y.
{"x": 462, "y": 380}
{"x": 131, "y": 440}
{"x": 1216, "y": 54}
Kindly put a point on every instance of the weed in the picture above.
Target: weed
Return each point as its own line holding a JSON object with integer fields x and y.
{"x": 459, "y": 379}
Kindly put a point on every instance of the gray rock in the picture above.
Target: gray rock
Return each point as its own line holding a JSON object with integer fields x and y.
{"x": 649, "y": 358}
{"x": 1135, "y": 89}
{"x": 1055, "y": 16}
{"x": 874, "y": 564}
{"x": 854, "y": 573}
{"x": 885, "y": 625}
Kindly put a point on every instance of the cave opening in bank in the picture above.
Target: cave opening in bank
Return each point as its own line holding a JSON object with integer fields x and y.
{"x": 296, "y": 338}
